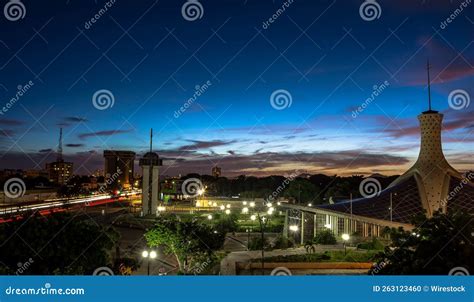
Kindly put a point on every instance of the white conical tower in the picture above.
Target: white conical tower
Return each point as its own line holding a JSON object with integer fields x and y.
{"x": 431, "y": 171}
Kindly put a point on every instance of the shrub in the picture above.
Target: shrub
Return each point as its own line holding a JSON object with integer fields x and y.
{"x": 282, "y": 242}
{"x": 325, "y": 237}
{"x": 256, "y": 243}
{"x": 371, "y": 245}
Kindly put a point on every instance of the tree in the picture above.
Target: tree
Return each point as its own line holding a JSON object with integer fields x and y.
{"x": 226, "y": 223}
{"x": 58, "y": 244}
{"x": 434, "y": 247}
{"x": 301, "y": 190}
{"x": 189, "y": 241}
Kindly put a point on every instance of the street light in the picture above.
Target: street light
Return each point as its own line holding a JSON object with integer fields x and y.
{"x": 149, "y": 255}
{"x": 227, "y": 211}
{"x": 346, "y": 238}
{"x": 270, "y": 210}
{"x": 209, "y": 217}
{"x": 253, "y": 217}
{"x": 222, "y": 207}
{"x": 252, "y": 204}
{"x": 294, "y": 228}
{"x": 245, "y": 210}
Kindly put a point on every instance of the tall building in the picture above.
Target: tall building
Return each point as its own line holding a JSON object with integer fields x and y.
{"x": 118, "y": 168}
{"x": 60, "y": 171}
{"x": 216, "y": 171}
{"x": 150, "y": 163}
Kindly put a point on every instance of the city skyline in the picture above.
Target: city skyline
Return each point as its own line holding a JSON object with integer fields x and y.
{"x": 325, "y": 69}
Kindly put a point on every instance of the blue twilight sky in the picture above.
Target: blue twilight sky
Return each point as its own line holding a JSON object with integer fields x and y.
{"x": 323, "y": 54}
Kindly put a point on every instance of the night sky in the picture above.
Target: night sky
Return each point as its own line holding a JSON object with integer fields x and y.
{"x": 152, "y": 60}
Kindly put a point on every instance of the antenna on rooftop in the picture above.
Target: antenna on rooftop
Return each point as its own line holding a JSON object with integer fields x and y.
{"x": 429, "y": 84}
{"x": 151, "y": 139}
{"x": 60, "y": 145}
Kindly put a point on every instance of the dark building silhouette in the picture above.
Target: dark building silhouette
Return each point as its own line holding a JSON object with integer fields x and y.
{"x": 60, "y": 171}
{"x": 118, "y": 168}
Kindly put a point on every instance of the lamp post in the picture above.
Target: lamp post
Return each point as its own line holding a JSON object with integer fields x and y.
{"x": 248, "y": 238}
{"x": 346, "y": 238}
{"x": 263, "y": 223}
{"x": 149, "y": 255}
{"x": 261, "y": 214}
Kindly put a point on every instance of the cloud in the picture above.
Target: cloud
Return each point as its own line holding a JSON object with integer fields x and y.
{"x": 447, "y": 64}
{"x": 8, "y": 122}
{"x": 74, "y": 145}
{"x": 103, "y": 133}
{"x": 68, "y": 120}
{"x": 271, "y": 163}
{"x": 6, "y": 132}
{"x": 75, "y": 119}
{"x": 198, "y": 145}
{"x": 45, "y": 150}
{"x": 453, "y": 120}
